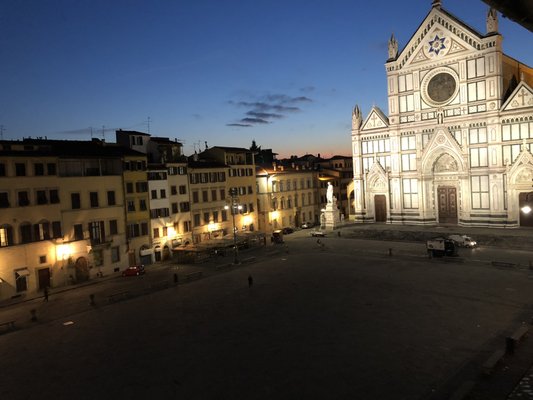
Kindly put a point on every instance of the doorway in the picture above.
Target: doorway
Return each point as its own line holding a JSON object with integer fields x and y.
{"x": 447, "y": 199}
{"x": 526, "y": 214}
{"x": 82, "y": 270}
{"x": 380, "y": 208}
{"x": 44, "y": 278}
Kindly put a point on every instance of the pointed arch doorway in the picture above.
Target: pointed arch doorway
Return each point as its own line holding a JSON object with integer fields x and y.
{"x": 380, "y": 208}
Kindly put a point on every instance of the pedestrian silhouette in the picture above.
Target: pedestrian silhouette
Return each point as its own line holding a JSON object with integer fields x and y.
{"x": 250, "y": 281}
{"x": 46, "y": 293}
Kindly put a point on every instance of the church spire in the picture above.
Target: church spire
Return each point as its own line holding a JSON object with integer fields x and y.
{"x": 393, "y": 47}
{"x": 492, "y": 21}
{"x": 357, "y": 118}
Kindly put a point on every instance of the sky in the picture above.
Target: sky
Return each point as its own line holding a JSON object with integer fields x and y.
{"x": 285, "y": 73}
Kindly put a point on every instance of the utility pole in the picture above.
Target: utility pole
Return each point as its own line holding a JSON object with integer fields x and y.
{"x": 234, "y": 208}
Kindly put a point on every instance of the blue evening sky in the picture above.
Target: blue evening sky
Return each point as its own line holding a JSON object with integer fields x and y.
{"x": 285, "y": 73}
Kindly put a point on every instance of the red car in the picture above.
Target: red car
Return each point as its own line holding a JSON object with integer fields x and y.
{"x": 134, "y": 270}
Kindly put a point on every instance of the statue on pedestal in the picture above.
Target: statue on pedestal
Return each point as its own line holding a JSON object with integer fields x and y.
{"x": 329, "y": 193}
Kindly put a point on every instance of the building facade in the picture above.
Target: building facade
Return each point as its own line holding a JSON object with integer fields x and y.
{"x": 62, "y": 217}
{"x": 456, "y": 145}
{"x": 287, "y": 197}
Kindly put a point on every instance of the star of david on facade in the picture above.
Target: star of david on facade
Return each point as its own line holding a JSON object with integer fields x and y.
{"x": 436, "y": 45}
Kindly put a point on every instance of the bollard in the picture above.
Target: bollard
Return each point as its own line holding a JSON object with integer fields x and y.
{"x": 509, "y": 345}
{"x": 175, "y": 278}
{"x": 390, "y": 252}
{"x": 33, "y": 313}
{"x": 91, "y": 300}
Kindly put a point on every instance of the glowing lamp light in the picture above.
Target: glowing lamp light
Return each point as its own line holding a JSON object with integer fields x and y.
{"x": 212, "y": 226}
{"x": 63, "y": 251}
{"x": 275, "y": 214}
{"x": 247, "y": 220}
{"x": 526, "y": 209}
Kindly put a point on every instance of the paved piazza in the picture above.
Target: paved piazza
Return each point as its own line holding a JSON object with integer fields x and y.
{"x": 336, "y": 323}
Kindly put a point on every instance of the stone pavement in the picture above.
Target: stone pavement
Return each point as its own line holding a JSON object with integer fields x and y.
{"x": 508, "y": 374}
{"x": 72, "y": 299}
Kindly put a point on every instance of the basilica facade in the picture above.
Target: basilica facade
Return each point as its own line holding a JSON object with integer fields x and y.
{"x": 456, "y": 145}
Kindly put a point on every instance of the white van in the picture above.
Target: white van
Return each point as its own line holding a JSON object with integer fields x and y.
{"x": 463, "y": 240}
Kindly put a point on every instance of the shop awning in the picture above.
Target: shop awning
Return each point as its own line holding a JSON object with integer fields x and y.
{"x": 22, "y": 272}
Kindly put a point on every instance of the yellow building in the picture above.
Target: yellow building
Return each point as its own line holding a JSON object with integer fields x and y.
{"x": 241, "y": 183}
{"x": 137, "y": 212}
{"x": 61, "y": 213}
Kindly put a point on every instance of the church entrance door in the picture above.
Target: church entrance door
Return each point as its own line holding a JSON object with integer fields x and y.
{"x": 380, "y": 205}
{"x": 447, "y": 205}
{"x": 525, "y": 200}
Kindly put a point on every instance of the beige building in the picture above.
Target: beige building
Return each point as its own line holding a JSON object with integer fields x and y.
{"x": 222, "y": 183}
{"x": 61, "y": 213}
{"x": 456, "y": 144}
{"x": 337, "y": 170}
{"x": 287, "y": 197}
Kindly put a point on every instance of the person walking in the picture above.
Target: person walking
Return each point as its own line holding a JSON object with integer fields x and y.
{"x": 46, "y": 293}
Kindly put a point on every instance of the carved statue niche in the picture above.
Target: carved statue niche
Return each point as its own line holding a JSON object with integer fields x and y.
{"x": 445, "y": 163}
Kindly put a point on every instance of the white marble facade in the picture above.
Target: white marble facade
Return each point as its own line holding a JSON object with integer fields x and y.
{"x": 456, "y": 145}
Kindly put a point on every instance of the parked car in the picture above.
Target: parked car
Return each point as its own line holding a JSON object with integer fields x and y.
{"x": 463, "y": 240}
{"x": 134, "y": 270}
{"x": 287, "y": 230}
{"x": 318, "y": 234}
{"x": 307, "y": 225}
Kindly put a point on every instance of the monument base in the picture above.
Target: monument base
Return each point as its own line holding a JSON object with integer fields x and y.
{"x": 331, "y": 217}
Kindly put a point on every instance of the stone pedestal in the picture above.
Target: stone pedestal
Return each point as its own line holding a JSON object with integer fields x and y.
{"x": 331, "y": 216}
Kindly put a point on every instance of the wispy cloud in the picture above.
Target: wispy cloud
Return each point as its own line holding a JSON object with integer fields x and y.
{"x": 267, "y": 108}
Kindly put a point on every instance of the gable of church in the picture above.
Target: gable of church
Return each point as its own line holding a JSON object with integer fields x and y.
{"x": 375, "y": 120}
{"x": 377, "y": 178}
{"x": 522, "y": 97}
{"x": 440, "y": 35}
{"x": 522, "y": 169}
{"x": 442, "y": 154}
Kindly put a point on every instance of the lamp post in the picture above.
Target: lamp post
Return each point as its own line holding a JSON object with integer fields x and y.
{"x": 234, "y": 207}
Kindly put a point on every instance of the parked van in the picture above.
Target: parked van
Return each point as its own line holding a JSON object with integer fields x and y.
{"x": 463, "y": 240}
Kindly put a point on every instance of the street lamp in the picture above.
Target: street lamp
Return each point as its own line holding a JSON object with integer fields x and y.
{"x": 234, "y": 207}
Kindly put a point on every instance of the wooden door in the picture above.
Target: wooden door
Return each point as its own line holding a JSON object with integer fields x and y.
{"x": 380, "y": 206}
{"x": 447, "y": 205}
{"x": 44, "y": 278}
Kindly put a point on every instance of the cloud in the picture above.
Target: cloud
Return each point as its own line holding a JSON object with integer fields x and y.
{"x": 264, "y": 109}
{"x": 264, "y": 115}
{"x": 255, "y": 121}
{"x": 240, "y": 125}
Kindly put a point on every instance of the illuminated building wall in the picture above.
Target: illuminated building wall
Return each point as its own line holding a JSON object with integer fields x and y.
{"x": 455, "y": 147}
